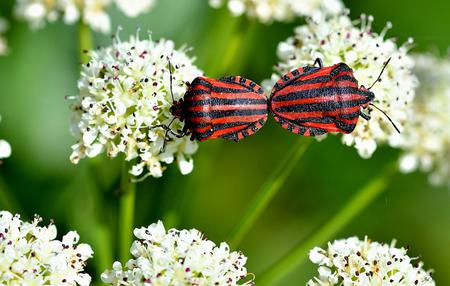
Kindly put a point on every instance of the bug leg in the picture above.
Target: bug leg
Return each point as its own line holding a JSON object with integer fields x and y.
{"x": 364, "y": 115}
{"x": 168, "y": 130}
{"x": 318, "y": 62}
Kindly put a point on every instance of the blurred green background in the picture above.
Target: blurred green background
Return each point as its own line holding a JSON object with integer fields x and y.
{"x": 42, "y": 68}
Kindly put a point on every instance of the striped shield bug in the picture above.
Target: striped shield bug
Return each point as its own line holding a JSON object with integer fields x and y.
{"x": 231, "y": 108}
{"x": 315, "y": 100}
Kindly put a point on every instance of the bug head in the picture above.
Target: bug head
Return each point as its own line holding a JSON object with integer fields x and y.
{"x": 368, "y": 94}
{"x": 177, "y": 109}
{"x": 371, "y": 96}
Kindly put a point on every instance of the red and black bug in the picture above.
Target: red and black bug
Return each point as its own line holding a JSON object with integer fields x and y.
{"x": 231, "y": 108}
{"x": 315, "y": 100}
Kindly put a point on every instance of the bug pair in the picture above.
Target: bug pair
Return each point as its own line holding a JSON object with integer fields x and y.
{"x": 310, "y": 101}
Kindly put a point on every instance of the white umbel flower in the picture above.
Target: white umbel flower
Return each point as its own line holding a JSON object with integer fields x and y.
{"x": 133, "y": 8}
{"x": 3, "y": 43}
{"x": 338, "y": 39}
{"x": 268, "y": 11}
{"x": 124, "y": 92}
{"x": 92, "y": 12}
{"x": 31, "y": 254}
{"x": 354, "y": 262}
{"x": 178, "y": 258}
{"x": 426, "y": 136}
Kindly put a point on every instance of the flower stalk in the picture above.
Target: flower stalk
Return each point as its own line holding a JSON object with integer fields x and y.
{"x": 268, "y": 191}
{"x": 234, "y": 56}
{"x": 126, "y": 213}
{"x": 84, "y": 41}
{"x": 362, "y": 199}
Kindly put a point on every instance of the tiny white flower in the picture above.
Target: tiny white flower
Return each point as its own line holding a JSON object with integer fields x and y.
{"x": 133, "y": 8}
{"x": 5, "y": 148}
{"x": 215, "y": 3}
{"x": 70, "y": 10}
{"x": 317, "y": 255}
{"x": 339, "y": 39}
{"x": 236, "y": 7}
{"x": 268, "y": 11}
{"x": 3, "y": 42}
{"x": 31, "y": 254}
{"x": 124, "y": 93}
{"x": 95, "y": 15}
{"x": 354, "y": 262}
{"x": 426, "y": 136}
{"x": 178, "y": 257}
{"x": 186, "y": 165}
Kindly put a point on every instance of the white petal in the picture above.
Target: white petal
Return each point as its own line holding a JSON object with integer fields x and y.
{"x": 408, "y": 163}
{"x": 186, "y": 166}
{"x": 71, "y": 14}
{"x": 5, "y": 149}
{"x": 90, "y": 136}
{"x": 316, "y": 255}
{"x": 236, "y": 7}
{"x": 35, "y": 11}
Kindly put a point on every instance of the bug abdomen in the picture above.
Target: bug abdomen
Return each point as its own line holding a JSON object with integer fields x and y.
{"x": 233, "y": 109}
{"x": 326, "y": 100}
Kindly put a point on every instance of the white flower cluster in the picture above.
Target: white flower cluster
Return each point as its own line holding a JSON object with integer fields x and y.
{"x": 5, "y": 148}
{"x": 31, "y": 255}
{"x": 268, "y": 11}
{"x": 3, "y": 43}
{"x": 338, "y": 39}
{"x": 352, "y": 262}
{"x": 179, "y": 258}
{"x": 124, "y": 93}
{"x": 426, "y": 136}
{"x": 92, "y": 12}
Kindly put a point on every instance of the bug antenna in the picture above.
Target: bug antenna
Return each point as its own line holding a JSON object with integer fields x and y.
{"x": 381, "y": 73}
{"x": 171, "y": 80}
{"x": 387, "y": 116}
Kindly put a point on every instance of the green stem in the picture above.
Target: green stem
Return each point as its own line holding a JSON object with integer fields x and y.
{"x": 102, "y": 231}
{"x": 126, "y": 214}
{"x": 241, "y": 53}
{"x": 268, "y": 191}
{"x": 84, "y": 41}
{"x": 234, "y": 43}
{"x": 363, "y": 198}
